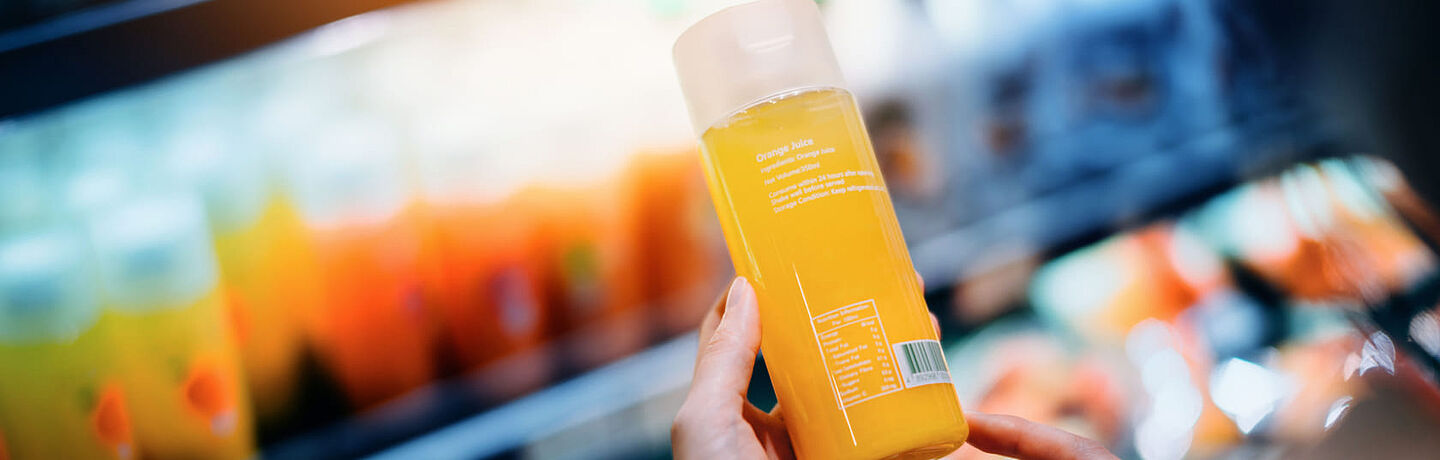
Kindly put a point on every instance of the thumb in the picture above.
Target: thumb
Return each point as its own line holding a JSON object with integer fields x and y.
{"x": 727, "y": 358}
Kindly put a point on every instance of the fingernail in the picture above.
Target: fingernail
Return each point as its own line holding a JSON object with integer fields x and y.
{"x": 740, "y": 294}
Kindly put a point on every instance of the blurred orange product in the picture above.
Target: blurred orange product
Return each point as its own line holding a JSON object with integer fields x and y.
{"x": 163, "y": 298}
{"x": 60, "y": 394}
{"x": 1289, "y": 258}
{"x": 270, "y": 282}
{"x": 681, "y": 250}
{"x": 374, "y": 330}
{"x": 1335, "y": 245}
{"x": 487, "y": 277}
{"x": 1387, "y": 251}
{"x": 589, "y": 256}
{"x": 1048, "y": 386}
{"x": 161, "y": 355}
{"x": 1157, "y": 290}
{"x": 1131, "y": 278}
{"x": 111, "y": 421}
{"x": 1214, "y": 432}
{"x": 1319, "y": 369}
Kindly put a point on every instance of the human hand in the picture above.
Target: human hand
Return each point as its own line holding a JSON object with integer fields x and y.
{"x": 717, "y": 421}
{"x": 1015, "y": 437}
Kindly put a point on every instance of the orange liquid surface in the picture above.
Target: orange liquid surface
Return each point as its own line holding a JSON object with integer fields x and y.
{"x": 813, "y": 247}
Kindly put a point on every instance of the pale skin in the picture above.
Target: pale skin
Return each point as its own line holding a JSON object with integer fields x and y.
{"x": 717, "y": 421}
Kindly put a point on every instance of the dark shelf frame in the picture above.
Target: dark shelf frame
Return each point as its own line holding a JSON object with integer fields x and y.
{"x": 129, "y": 42}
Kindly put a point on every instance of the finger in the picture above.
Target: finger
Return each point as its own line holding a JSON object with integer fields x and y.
{"x": 761, "y": 419}
{"x": 934, "y": 322}
{"x": 727, "y": 357}
{"x": 1016, "y": 437}
{"x": 771, "y": 432}
{"x": 712, "y": 319}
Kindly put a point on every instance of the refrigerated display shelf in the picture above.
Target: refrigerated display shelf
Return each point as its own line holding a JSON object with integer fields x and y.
{"x": 119, "y": 44}
{"x": 1129, "y": 195}
{"x": 643, "y": 389}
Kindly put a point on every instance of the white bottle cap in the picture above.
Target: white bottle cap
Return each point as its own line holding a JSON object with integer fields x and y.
{"x": 46, "y": 292}
{"x": 747, "y": 53}
{"x": 154, "y": 253}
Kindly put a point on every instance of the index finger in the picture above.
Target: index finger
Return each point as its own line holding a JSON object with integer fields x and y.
{"x": 1016, "y": 437}
{"x": 712, "y": 317}
{"x": 727, "y": 352}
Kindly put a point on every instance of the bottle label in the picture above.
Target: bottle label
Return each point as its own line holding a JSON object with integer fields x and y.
{"x": 860, "y": 360}
{"x": 794, "y": 176}
{"x": 921, "y": 363}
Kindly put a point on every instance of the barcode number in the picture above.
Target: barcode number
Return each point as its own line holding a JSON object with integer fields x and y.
{"x": 921, "y": 363}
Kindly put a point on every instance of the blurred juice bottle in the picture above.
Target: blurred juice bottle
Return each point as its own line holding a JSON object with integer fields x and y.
{"x": 681, "y": 249}
{"x": 373, "y": 330}
{"x": 490, "y": 289}
{"x": 483, "y": 261}
{"x": 250, "y": 226}
{"x": 585, "y": 238}
{"x": 61, "y": 394}
{"x": 180, "y": 368}
{"x": 590, "y": 270}
{"x": 850, "y": 349}
{"x": 267, "y": 290}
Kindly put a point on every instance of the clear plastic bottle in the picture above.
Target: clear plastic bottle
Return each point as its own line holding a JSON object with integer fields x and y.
{"x": 63, "y": 396}
{"x": 850, "y": 348}
{"x": 160, "y": 290}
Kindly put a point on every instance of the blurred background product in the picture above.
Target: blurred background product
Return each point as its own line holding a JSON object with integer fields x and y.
{"x": 60, "y": 362}
{"x": 479, "y": 229}
{"x": 179, "y": 366}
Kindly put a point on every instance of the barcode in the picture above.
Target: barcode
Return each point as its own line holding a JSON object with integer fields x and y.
{"x": 921, "y": 363}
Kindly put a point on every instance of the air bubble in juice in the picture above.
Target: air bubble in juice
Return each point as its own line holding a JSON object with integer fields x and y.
{"x": 181, "y": 371}
{"x": 62, "y": 396}
{"x": 849, "y": 346}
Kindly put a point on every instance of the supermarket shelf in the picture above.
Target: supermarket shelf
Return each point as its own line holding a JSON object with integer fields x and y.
{"x": 1138, "y": 192}
{"x": 118, "y": 44}
{"x": 565, "y": 409}
{"x": 87, "y": 20}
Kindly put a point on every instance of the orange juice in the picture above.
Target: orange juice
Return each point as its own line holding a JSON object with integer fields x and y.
{"x": 485, "y": 271}
{"x": 489, "y": 284}
{"x": 373, "y": 329}
{"x": 850, "y": 347}
{"x": 180, "y": 369}
{"x": 293, "y": 266}
{"x": 246, "y": 220}
{"x": 590, "y": 271}
{"x": 851, "y": 351}
{"x": 263, "y": 308}
{"x": 61, "y": 394}
{"x": 681, "y": 252}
